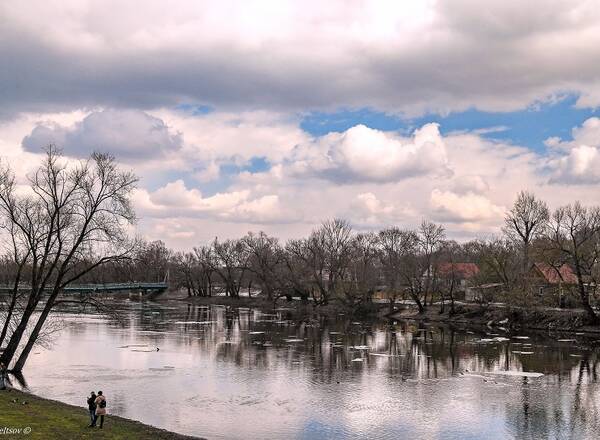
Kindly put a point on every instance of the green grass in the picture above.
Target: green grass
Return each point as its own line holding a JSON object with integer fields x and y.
{"x": 49, "y": 420}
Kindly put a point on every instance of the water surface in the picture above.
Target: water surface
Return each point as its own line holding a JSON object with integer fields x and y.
{"x": 237, "y": 373}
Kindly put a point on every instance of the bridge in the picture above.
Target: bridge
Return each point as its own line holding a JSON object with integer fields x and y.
{"x": 143, "y": 289}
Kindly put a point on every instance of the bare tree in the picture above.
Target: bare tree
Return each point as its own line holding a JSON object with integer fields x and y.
{"x": 395, "y": 245}
{"x": 574, "y": 231}
{"x": 205, "y": 259}
{"x": 324, "y": 256}
{"x": 525, "y": 222}
{"x": 72, "y": 221}
{"x": 498, "y": 260}
{"x": 265, "y": 254}
{"x": 230, "y": 263}
{"x": 450, "y": 278}
{"x": 363, "y": 269}
{"x": 431, "y": 238}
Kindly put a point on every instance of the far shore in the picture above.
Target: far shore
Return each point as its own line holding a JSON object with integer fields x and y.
{"x": 502, "y": 317}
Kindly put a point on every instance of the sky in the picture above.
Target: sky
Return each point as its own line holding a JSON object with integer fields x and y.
{"x": 276, "y": 115}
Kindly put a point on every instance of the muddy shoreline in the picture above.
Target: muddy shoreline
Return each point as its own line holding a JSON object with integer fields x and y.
{"x": 505, "y": 318}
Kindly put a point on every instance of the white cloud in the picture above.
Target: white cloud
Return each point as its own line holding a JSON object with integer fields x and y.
{"x": 176, "y": 200}
{"x": 365, "y": 154}
{"x": 576, "y": 161}
{"x": 457, "y": 208}
{"x": 470, "y": 183}
{"x": 581, "y": 165}
{"x": 368, "y": 211}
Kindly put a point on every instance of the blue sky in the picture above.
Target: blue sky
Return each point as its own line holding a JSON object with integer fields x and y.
{"x": 529, "y": 127}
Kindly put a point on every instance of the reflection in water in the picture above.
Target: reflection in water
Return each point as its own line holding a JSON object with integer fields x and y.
{"x": 239, "y": 373}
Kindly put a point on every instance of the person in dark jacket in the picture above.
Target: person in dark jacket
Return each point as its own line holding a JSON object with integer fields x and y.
{"x": 2, "y": 376}
{"x": 92, "y": 408}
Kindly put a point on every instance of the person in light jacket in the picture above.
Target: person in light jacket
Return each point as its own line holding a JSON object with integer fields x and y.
{"x": 100, "y": 408}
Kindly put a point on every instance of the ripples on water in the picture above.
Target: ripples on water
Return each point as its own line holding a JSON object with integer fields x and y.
{"x": 238, "y": 373}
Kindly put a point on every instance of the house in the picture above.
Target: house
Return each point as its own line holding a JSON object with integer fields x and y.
{"x": 462, "y": 274}
{"x": 552, "y": 282}
{"x": 550, "y": 275}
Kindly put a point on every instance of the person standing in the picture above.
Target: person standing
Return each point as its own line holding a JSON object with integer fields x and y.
{"x": 92, "y": 408}
{"x": 2, "y": 374}
{"x": 100, "y": 408}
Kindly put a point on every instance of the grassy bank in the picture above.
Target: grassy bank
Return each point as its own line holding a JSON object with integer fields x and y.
{"x": 48, "y": 419}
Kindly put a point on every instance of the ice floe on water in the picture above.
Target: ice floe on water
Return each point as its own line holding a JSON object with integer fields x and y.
{"x": 491, "y": 340}
{"x": 516, "y": 373}
{"x": 385, "y": 354}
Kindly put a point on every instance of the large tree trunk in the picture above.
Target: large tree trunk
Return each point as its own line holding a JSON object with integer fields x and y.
{"x": 15, "y": 338}
{"x": 585, "y": 300}
{"x": 9, "y": 313}
{"x": 18, "y": 367}
{"x": 419, "y": 304}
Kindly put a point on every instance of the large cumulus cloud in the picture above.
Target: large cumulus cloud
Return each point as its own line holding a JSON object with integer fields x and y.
{"x": 363, "y": 154}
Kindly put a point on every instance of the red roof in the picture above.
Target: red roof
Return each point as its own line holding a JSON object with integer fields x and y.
{"x": 551, "y": 275}
{"x": 463, "y": 270}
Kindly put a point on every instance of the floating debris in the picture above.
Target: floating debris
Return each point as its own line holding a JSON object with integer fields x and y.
{"x": 357, "y": 360}
{"x": 294, "y": 340}
{"x": 256, "y": 333}
{"x": 517, "y": 373}
{"x": 520, "y": 337}
{"x": 566, "y": 340}
{"x": 359, "y": 347}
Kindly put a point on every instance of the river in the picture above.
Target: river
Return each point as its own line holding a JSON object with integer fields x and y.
{"x": 238, "y": 373}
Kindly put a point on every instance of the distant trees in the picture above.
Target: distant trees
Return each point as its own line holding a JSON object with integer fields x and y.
{"x": 574, "y": 232}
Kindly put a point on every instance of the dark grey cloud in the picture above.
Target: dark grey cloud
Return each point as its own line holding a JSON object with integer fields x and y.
{"x": 128, "y": 134}
{"x": 502, "y": 55}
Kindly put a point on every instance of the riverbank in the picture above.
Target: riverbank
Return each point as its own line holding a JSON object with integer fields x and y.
{"x": 45, "y": 419}
{"x": 295, "y": 308}
{"x": 466, "y": 315}
{"x": 505, "y": 318}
